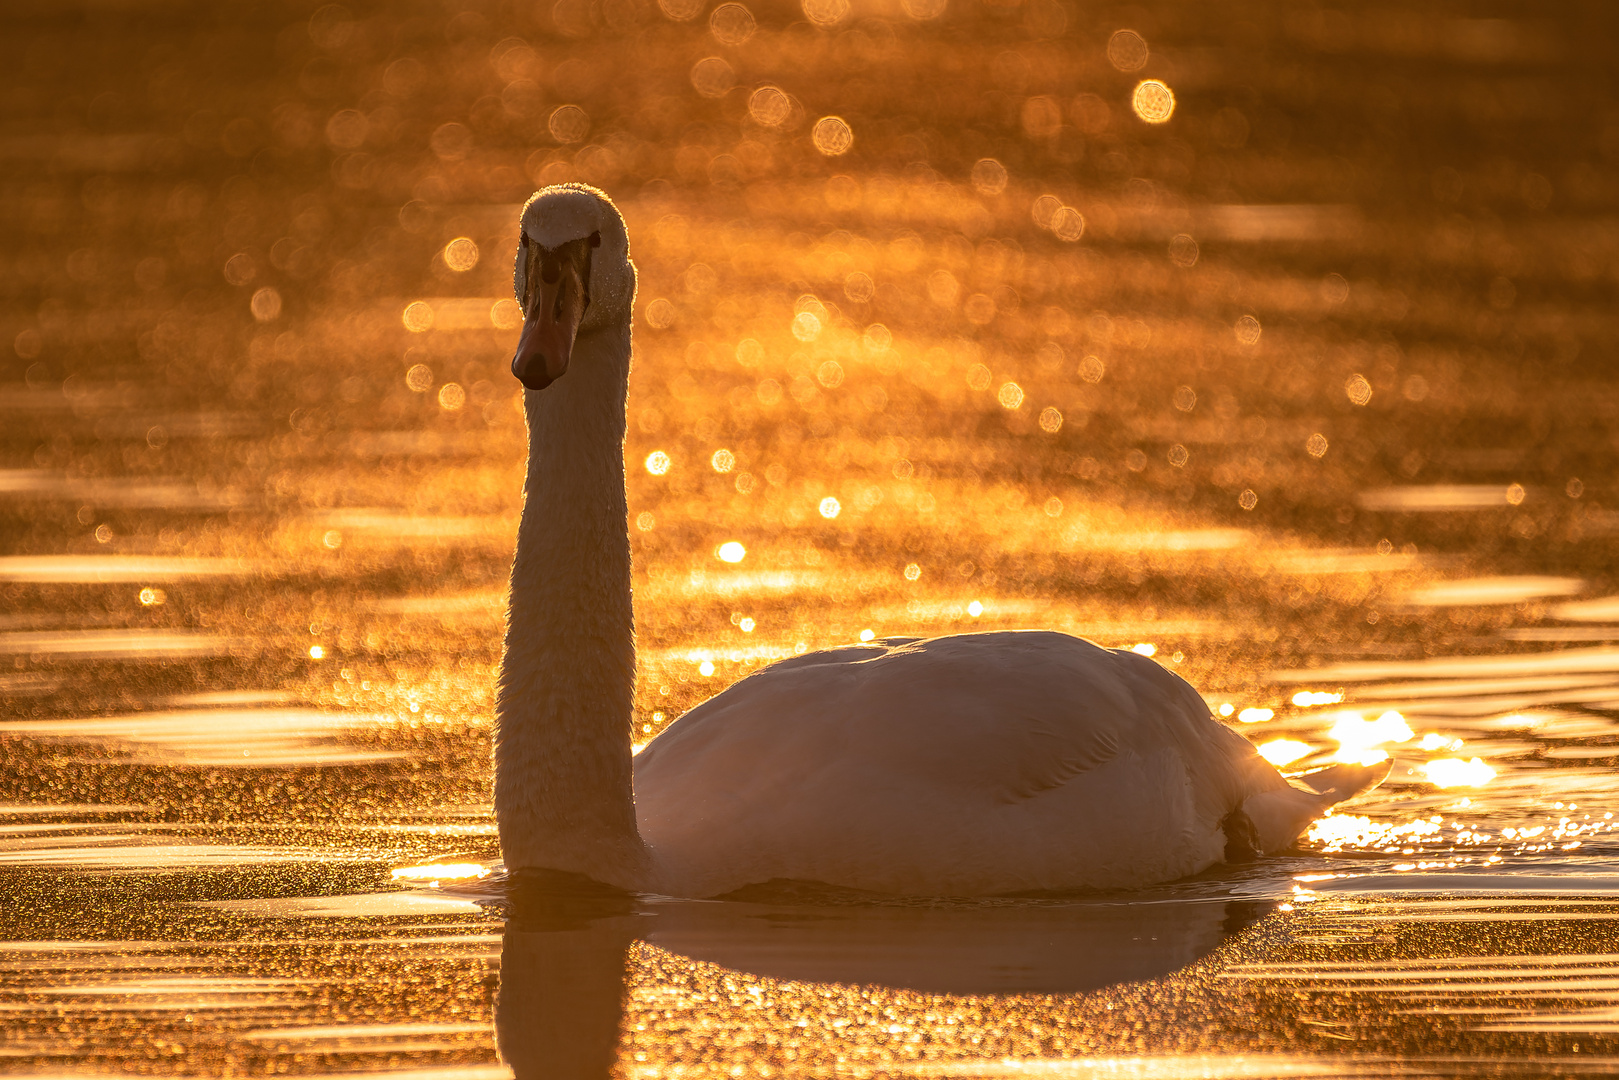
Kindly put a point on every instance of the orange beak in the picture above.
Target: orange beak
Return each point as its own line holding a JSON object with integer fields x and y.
{"x": 546, "y": 344}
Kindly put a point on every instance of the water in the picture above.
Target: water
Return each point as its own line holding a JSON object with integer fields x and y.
{"x": 1314, "y": 409}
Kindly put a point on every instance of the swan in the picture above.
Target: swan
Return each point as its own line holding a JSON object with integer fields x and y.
{"x": 966, "y": 765}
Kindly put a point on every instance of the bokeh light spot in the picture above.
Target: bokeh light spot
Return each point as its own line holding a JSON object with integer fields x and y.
{"x": 731, "y": 24}
{"x": 1316, "y": 445}
{"x": 832, "y": 136}
{"x": 1248, "y": 499}
{"x": 569, "y": 124}
{"x": 1255, "y": 715}
{"x": 660, "y": 314}
{"x": 1127, "y": 50}
{"x": 1183, "y": 250}
{"x": 419, "y": 378}
{"x": 1010, "y": 395}
{"x": 451, "y": 142}
{"x": 830, "y": 508}
{"x": 712, "y": 77}
{"x": 418, "y": 317}
{"x": 1051, "y": 420}
{"x": 769, "y": 106}
{"x": 461, "y": 254}
{"x": 1091, "y": 369}
{"x": 825, "y": 12}
{"x": 451, "y": 397}
{"x": 731, "y": 551}
{"x": 1153, "y": 101}
{"x": 1043, "y": 209}
{"x": 943, "y": 288}
{"x": 989, "y": 177}
{"x": 806, "y": 327}
{"x": 1248, "y": 330}
{"x": 923, "y": 10}
{"x": 239, "y": 269}
{"x": 505, "y": 314}
{"x": 347, "y": 129}
{"x": 912, "y": 571}
{"x": 682, "y": 10}
{"x": 1358, "y": 389}
{"x": 1067, "y": 224}
{"x": 723, "y": 461}
{"x": 1179, "y": 456}
{"x": 266, "y": 304}
{"x": 859, "y": 287}
{"x": 657, "y": 463}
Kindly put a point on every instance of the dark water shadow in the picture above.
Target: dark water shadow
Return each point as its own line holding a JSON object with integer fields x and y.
{"x": 564, "y": 952}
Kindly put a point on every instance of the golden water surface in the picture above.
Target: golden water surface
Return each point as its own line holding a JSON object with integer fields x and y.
{"x": 1273, "y": 341}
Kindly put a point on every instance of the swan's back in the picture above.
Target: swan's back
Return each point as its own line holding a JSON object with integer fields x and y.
{"x": 964, "y": 765}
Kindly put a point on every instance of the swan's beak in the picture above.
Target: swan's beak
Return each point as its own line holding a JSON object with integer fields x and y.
{"x": 546, "y": 345}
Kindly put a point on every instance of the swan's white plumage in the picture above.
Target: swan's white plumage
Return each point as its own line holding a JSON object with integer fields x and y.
{"x": 966, "y": 765}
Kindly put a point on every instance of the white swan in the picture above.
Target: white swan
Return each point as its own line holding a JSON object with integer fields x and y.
{"x": 976, "y": 764}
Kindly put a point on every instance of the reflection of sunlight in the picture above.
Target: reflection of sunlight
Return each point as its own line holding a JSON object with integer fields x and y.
{"x": 1255, "y": 715}
{"x": 1454, "y": 772}
{"x": 1600, "y": 609}
{"x": 110, "y": 568}
{"x": 229, "y": 738}
{"x": 1338, "y": 831}
{"x": 440, "y": 872}
{"x": 1358, "y": 738}
{"x": 1281, "y": 752}
{"x": 1435, "y": 497}
{"x": 1168, "y": 540}
{"x": 1495, "y": 665}
{"x": 138, "y": 644}
{"x": 111, "y": 852}
{"x": 1180, "y": 1067}
{"x": 1316, "y": 697}
{"x": 1491, "y": 590}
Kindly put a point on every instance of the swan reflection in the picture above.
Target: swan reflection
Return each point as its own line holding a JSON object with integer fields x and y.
{"x": 564, "y": 953}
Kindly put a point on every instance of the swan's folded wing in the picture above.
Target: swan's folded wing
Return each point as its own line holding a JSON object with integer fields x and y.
{"x": 1041, "y": 754}
{"x": 1009, "y": 716}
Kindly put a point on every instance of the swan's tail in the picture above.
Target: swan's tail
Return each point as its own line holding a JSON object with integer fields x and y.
{"x": 1270, "y": 821}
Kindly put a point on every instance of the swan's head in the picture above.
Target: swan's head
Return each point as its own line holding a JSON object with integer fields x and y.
{"x": 573, "y": 275}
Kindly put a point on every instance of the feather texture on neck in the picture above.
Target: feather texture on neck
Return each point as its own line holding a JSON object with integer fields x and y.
{"x": 563, "y": 777}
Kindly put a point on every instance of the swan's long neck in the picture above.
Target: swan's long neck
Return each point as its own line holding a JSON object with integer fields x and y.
{"x": 563, "y": 791}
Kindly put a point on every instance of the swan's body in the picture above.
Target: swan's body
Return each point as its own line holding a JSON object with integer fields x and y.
{"x": 968, "y": 765}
